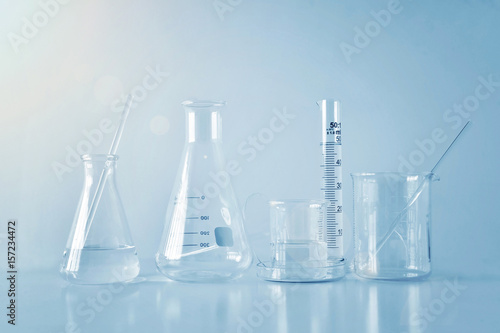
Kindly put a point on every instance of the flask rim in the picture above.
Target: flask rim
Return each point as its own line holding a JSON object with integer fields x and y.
{"x": 201, "y": 104}
{"x": 99, "y": 157}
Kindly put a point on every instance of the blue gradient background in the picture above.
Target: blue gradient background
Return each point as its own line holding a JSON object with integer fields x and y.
{"x": 264, "y": 55}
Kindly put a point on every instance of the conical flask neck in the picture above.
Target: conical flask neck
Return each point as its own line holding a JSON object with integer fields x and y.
{"x": 95, "y": 164}
{"x": 99, "y": 169}
{"x": 203, "y": 121}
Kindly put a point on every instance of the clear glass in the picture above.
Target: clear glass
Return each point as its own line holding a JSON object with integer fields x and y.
{"x": 331, "y": 170}
{"x": 100, "y": 249}
{"x": 298, "y": 232}
{"x": 299, "y": 243}
{"x": 203, "y": 238}
{"x": 392, "y": 217}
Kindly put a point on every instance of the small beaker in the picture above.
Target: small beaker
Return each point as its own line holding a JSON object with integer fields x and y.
{"x": 100, "y": 248}
{"x": 392, "y": 216}
{"x": 299, "y": 251}
{"x": 298, "y": 232}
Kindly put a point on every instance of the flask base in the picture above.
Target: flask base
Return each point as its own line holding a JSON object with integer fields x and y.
{"x": 100, "y": 266}
{"x": 192, "y": 275}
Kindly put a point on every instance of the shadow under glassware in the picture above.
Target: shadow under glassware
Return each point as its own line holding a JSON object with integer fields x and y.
{"x": 100, "y": 248}
{"x": 113, "y": 307}
{"x": 392, "y": 217}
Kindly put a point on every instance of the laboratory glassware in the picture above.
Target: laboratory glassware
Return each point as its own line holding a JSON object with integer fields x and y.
{"x": 100, "y": 248}
{"x": 331, "y": 171}
{"x": 382, "y": 200}
{"x": 203, "y": 238}
{"x": 298, "y": 251}
{"x": 417, "y": 192}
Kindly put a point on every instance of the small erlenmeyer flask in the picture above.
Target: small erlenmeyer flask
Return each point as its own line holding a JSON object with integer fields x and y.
{"x": 100, "y": 249}
{"x": 203, "y": 238}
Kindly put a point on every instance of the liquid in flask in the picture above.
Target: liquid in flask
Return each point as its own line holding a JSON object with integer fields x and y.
{"x": 203, "y": 237}
{"x": 100, "y": 248}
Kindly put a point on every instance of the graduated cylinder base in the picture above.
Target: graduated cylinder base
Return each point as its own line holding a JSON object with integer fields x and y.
{"x": 197, "y": 271}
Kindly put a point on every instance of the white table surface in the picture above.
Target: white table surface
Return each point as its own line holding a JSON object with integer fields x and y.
{"x": 441, "y": 303}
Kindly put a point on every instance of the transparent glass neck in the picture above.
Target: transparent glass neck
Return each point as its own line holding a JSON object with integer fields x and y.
{"x": 203, "y": 121}
{"x": 96, "y": 163}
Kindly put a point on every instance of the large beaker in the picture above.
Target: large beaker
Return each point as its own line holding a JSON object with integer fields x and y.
{"x": 100, "y": 247}
{"x": 392, "y": 216}
{"x": 203, "y": 238}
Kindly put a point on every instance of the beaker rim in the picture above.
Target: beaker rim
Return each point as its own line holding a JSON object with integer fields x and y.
{"x": 297, "y": 201}
{"x": 99, "y": 157}
{"x": 430, "y": 175}
{"x": 203, "y": 103}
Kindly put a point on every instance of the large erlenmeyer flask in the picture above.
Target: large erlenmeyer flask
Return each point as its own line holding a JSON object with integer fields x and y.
{"x": 100, "y": 248}
{"x": 203, "y": 238}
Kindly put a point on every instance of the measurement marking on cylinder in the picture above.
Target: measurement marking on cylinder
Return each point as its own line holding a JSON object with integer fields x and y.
{"x": 190, "y": 233}
{"x": 190, "y": 245}
{"x": 192, "y": 218}
{"x": 331, "y": 187}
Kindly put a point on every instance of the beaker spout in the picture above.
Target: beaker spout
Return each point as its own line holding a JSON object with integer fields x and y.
{"x": 433, "y": 177}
